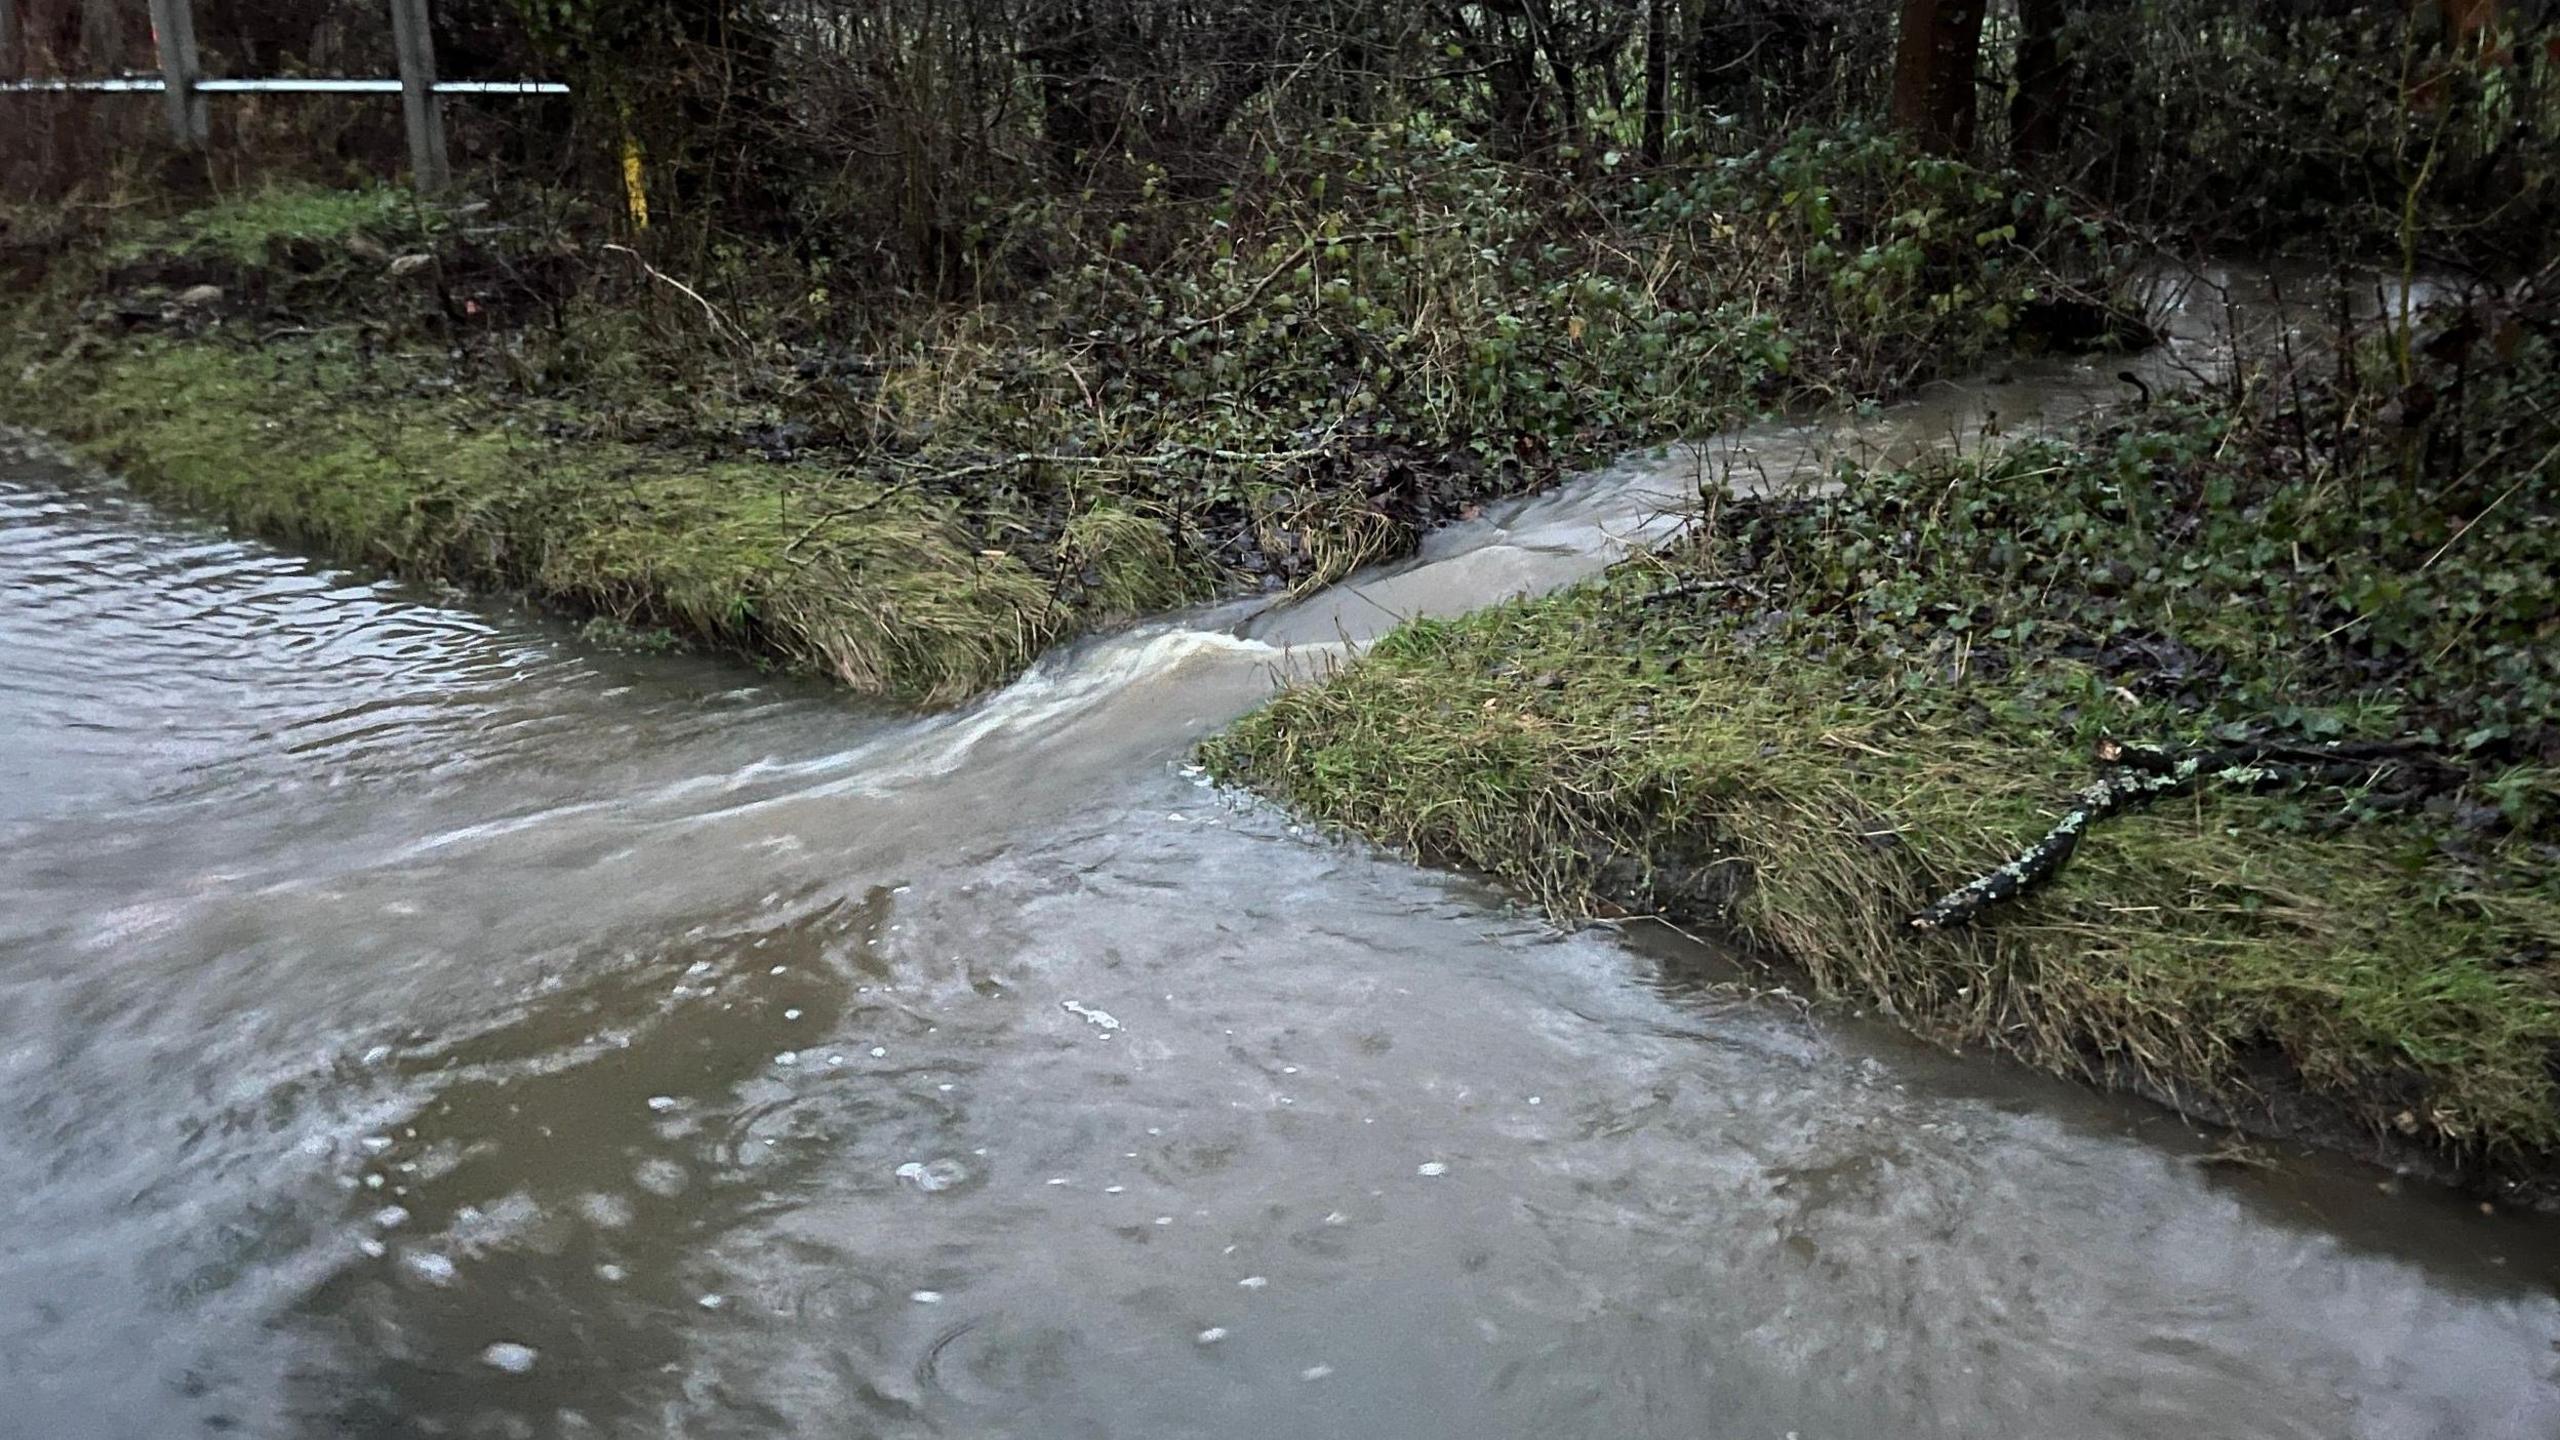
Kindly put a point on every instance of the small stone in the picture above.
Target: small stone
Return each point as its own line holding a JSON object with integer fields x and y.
{"x": 509, "y": 1356}
{"x": 662, "y": 1103}
{"x": 198, "y": 297}
{"x": 404, "y": 266}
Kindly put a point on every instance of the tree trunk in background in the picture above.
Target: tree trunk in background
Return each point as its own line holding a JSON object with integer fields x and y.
{"x": 2043, "y": 101}
{"x": 1933, "y": 64}
{"x": 1657, "y": 78}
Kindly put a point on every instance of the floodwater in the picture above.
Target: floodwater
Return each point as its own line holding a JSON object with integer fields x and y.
{"x": 413, "y": 1023}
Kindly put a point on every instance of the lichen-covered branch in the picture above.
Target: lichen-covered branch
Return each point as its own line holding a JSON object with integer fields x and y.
{"x": 2146, "y": 773}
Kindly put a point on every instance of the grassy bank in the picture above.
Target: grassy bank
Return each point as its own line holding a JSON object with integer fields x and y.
{"x": 1257, "y": 389}
{"x": 1816, "y": 716}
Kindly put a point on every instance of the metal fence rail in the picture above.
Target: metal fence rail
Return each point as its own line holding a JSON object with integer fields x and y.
{"x": 304, "y": 85}
{"x": 184, "y": 86}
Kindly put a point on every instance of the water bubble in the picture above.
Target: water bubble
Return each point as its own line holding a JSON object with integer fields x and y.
{"x": 790, "y": 1014}
{"x": 712, "y": 1302}
{"x": 372, "y": 1247}
{"x": 662, "y": 1103}
{"x": 925, "y": 1297}
{"x": 835, "y": 1062}
{"x": 611, "y": 1274}
{"x": 1253, "y": 1282}
{"x": 1212, "y": 1335}
{"x": 1113, "y": 1189}
{"x": 787, "y": 1057}
{"x": 431, "y": 1267}
{"x": 1164, "y": 1219}
{"x": 1315, "y": 1372}
{"x": 605, "y": 1212}
{"x": 1057, "y": 1179}
{"x": 391, "y": 1217}
{"x": 509, "y": 1356}
{"x": 932, "y": 1175}
{"x": 1336, "y": 1217}
{"x": 879, "y": 1052}
{"x": 1534, "y": 1100}
{"x": 1431, "y": 1167}
{"x": 376, "y": 1144}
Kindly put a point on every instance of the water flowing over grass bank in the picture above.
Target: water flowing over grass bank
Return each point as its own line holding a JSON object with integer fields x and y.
{"x": 1812, "y": 717}
{"x": 916, "y": 496}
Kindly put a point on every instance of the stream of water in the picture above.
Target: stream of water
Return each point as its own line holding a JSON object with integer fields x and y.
{"x": 413, "y": 1023}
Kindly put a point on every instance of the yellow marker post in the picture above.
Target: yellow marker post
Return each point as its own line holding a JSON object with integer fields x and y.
{"x": 635, "y": 189}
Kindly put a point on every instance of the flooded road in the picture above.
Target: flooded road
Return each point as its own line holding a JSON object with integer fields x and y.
{"x": 414, "y": 1023}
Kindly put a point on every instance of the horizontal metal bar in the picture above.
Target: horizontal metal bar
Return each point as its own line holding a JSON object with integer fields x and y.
{"x": 153, "y": 84}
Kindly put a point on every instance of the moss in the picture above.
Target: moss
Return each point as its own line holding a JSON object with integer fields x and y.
{"x": 795, "y": 564}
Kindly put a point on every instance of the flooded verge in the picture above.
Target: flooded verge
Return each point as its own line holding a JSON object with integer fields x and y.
{"x": 411, "y": 1022}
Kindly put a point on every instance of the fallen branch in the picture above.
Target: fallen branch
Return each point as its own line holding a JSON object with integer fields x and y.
{"x": 2147, "y": 773}
{"x": 1166, "y": 456}
{"x": 841, "y": 512}
{"x": 1295, "y": 258}
{"x": 1687, "y": 588}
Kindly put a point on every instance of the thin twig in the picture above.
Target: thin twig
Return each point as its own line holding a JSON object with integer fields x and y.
{"x": 720, "y": 323}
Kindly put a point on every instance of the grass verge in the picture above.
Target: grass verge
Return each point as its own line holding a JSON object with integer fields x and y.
{"x": 1813, "y": 717}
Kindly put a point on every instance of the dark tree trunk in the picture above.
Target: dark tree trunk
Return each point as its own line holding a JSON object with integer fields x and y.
{"x": 2045, "y": 82}
{"x": 1933, "y": 66}
{"x": 1657, "y": 78}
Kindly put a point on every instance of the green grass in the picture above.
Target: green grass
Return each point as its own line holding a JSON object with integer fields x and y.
{"x": 241, "y": 227}
{"x": 881, "y": 589}
{"x": 1600, "y": 756}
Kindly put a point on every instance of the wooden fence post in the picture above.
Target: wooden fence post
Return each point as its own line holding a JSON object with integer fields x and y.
{"x": 429, "y": 167}
{"x": 173, "y": 29}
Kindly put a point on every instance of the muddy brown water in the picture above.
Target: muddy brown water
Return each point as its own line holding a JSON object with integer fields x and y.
{"x": 414, "y": 1023}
